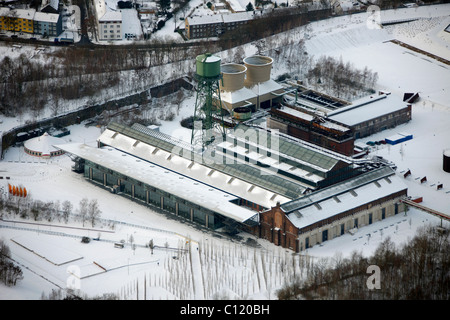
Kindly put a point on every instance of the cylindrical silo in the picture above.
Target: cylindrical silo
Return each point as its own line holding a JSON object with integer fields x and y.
{"x": 446, "y": 165}
{"x": 233, "y": 76}
{"x": 258, "y": 69}
{"x": 242, "y": 113}
{"x": 208, "y": 66}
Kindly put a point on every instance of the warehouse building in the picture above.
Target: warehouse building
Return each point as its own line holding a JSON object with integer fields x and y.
{"x": 255, "y": 181}
{"x": 333, "y": 123}
{"x": 313, "y": 167}
{"x": 373, "y": 114}
{"x": 306, "y": 125}
{"x": 167, "y": 174}
{"x": 224, "y": 186}
{"x": 331, "y": 212}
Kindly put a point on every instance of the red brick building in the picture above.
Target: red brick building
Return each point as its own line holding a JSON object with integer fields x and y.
{"x": 275, "y": 226}
{"x": 331, "y": 212}
{"x": 308, "y": 127}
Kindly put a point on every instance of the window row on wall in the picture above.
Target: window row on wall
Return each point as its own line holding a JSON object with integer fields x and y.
{"x": 152, "y": 196}
{"x": 345, "y": 225}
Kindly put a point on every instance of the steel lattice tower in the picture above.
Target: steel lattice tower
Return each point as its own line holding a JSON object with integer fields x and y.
{"x": 208, "y": 118}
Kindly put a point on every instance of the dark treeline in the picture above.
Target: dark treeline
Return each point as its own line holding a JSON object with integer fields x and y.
{"x": 341, "y": 79}
{"x": 9, "y": 272}
{"x": 392, "y": 4}
{"x": 419, "y": 270}
{"x": 277, "y": 21}
{"x": 28, "y": 84}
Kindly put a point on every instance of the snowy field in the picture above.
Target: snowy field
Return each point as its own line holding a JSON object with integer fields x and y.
{"x": 188, "y": 263}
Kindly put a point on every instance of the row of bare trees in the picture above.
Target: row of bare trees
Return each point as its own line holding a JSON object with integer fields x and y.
{"x": 341, "y": 79}
{"x": 88, "y": 211}
{"x": 418, "y": 270}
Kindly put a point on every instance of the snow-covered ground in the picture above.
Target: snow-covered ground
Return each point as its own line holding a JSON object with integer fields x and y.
{"x": 202, "y": 266}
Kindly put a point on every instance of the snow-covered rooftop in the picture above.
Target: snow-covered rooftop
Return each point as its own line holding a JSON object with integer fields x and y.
{"x": 272, "y": 161}
{"x": 236, "y": 5}
{"x": 46, "y": 17}
{"x": 318, "y": 160}
{"x": 195, "y": 170}
{"x": 44, "y": 144}
{"x": 206, "y": 19}
{"x": 307, "y": 117}
{"x": 53, "y": 3}
{"x": 236, "y": 96}
{"x": 18, "y": 13}
{"x": 367, "y": 108}
{"x": 269, "y": 86}
{"x": 340, "y": 198}
{"x": 169, "y": 181}
{"x": 111, "y": 16}
{"x": 220, "y": 18}
{"x": 237, "y": 17}
{"x": 100, "y": 8}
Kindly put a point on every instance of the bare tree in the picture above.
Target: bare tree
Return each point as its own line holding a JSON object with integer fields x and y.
{"x": 151, "y": 245}
{"x": 93, "y": 211}
{"x": 67, "y": 208}
{"x": 83, "y": 209}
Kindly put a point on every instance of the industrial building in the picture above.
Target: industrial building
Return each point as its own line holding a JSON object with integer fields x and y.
{"x": 308, "y": 126}
{"x": 233, "y": 93}
{"x": 373, "y": 114}
{"x": 207, "y": 188}
{"x": 248, "y": 87}
{"x": 333, "y": 123}
{"x": 236, "y": 184}
{"x": 331, "y": 212}
{"x": 248, "y": 178}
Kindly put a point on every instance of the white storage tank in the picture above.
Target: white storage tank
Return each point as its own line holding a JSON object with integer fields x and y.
{"x": 258, "y": 69}
{"x": 233, "y": 76}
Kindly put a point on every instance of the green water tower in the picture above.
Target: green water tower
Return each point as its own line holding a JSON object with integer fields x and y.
{"x": 207, "y": 66}
{"x": 208, "y": 119}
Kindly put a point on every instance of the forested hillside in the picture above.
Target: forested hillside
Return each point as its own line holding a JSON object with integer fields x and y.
{"x": 417, "y": 270}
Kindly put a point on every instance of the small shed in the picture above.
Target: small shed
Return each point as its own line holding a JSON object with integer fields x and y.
{"x": 398, "y": 138}
{"x": 410, "y": 97}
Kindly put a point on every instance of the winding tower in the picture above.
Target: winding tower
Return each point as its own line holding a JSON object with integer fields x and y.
{"x": 208, "y": 119}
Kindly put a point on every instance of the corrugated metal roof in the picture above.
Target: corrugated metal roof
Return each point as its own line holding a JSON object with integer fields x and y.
{"x": 345, "y": 199}
{"x": 251, "y": 174}
{"x": 337, "y": 189}
{"x": 307, "y": 156}
{"x": 169, "y": 181}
